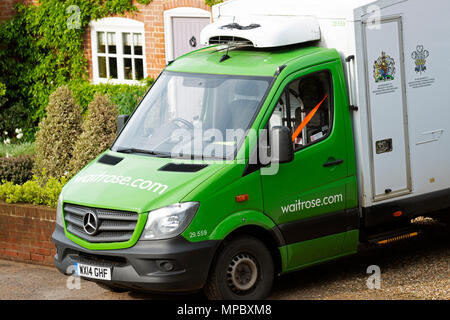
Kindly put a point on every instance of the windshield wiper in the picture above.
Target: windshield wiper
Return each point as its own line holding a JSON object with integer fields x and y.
{"x": 150, "y": 152}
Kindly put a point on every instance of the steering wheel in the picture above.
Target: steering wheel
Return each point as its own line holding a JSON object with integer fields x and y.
{"x": 183, "y": 121}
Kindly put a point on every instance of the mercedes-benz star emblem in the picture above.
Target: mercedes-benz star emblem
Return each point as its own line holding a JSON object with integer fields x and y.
{"x": 90, "y": 223}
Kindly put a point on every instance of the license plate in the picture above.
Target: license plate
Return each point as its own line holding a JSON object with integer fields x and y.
{"x": 93, "y": 272}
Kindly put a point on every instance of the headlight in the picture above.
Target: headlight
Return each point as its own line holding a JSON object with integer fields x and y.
{"x": 59, "y": 215}
{"x": 170, "y": 221}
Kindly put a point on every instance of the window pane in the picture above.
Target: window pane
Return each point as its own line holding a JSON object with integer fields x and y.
{"x": 127, "y": 68}
{"x": 101, "y": 42}
{"x": 298, "y": 101}
{"x": 112, "y": 42}
{"x": 102, "y": 67}
{"x": 313, "y": 90}
{"x": 186, "y": 96}
{"x": 112, "y": 67}
{"x": 126, "y": 43}
{"x": 139, "y": 66}
{"x": 137, "y": 38}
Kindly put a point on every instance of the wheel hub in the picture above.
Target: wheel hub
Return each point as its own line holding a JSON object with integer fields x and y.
{"x": 242, "y": 273}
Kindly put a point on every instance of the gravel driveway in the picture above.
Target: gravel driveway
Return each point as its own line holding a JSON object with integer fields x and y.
{"x": 413, "y": 269}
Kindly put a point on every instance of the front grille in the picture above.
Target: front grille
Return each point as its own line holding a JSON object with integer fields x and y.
{"x": 113, "y": 225}
{"x": 96, "y": 260}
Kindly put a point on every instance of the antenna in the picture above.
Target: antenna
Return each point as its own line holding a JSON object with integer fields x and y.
{"x": 226, "y": 56}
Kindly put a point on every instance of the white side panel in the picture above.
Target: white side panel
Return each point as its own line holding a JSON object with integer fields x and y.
{"x": 427, "y": 27}
{"x": 425, "y": 32}
{"x": 387, "y": 105}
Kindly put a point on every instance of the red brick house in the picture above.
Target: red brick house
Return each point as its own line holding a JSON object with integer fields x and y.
{"x": 125, "y": 49}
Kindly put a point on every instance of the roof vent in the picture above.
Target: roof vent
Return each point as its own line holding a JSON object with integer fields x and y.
{"x": 230, "y": 40}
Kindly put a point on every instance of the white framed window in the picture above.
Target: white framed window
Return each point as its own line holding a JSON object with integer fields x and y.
{"x": 118, "y": 50}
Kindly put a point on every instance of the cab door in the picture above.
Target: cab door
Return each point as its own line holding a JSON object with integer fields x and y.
{"x": 309, "y": 197}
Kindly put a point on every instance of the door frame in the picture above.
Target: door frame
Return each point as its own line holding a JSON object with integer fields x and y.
{"x": 180, "y": 12}
{"x": 408, "y": 189}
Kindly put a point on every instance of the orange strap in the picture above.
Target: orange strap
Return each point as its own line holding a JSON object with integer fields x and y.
{"x": 307, "y": 120}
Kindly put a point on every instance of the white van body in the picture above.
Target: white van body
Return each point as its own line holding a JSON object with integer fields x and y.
{"x": 398, "y": 80}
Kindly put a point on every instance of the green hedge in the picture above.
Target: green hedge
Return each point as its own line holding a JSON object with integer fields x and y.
{"x": 17, "y": 170}
{"x": 125, "y": 96}
{"x": 39, "y": 191}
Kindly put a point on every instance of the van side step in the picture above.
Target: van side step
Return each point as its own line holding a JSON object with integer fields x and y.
{"x": 393, "y": 236}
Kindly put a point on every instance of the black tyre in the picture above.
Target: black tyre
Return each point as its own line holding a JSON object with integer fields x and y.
{"x": 111, "y": 288}
{"x": 242, "y": 270}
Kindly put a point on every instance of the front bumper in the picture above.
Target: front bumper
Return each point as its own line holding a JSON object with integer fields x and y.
{"x": 145, "y": 265}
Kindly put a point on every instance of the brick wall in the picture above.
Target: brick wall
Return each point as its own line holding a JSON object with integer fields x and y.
{"x": 25, "y": 233}
{"x": 152, "y": 15}
{"x": 6, "y": 9}
{"x": 154, "y": 30}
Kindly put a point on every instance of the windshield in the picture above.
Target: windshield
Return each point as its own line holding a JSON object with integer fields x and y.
{"x": 194, "y": 116}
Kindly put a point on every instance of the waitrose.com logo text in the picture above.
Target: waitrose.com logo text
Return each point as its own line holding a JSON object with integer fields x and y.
{"x": 299, "y": 205}
{"x": 131, "y": 182}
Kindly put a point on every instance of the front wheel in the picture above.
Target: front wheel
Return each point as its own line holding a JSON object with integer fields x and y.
{"x": 243, "y": 269}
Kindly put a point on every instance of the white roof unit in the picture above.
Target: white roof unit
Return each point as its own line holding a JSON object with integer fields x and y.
{"x": 262, "y": 31}
{"x": 322, "y": 9}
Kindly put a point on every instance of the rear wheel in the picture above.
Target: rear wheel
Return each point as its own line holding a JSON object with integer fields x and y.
{"x": 243, "y": 269}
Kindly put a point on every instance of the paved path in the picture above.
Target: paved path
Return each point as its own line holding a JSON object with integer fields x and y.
{"x": 414, "y": 269}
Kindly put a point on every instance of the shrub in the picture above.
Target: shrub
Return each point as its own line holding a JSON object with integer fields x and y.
{"x": 126, "y": 97}
{"x": 17, "y": 170}
{"x": 3, "y": 100}
{"x": 40, "y": 190}
{"x": 99, "y": 132}
{"x": 212, "y": 2}
{"x": 145, "y": 2}
{"x": 14, "y": 116}
{"x": 2, "y": 89}
{"x": 57, "y": 134}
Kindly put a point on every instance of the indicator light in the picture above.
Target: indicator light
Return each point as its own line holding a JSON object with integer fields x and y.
{"x": 242, "y": 198}
{"x": 397, "y": 213}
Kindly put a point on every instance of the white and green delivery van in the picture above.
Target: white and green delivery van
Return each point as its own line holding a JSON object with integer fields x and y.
{"x": 301, "y": 130}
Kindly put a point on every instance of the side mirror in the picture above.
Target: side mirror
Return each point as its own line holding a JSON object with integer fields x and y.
{"x": 121, "y": 120}
{"x": 282, "y": 147}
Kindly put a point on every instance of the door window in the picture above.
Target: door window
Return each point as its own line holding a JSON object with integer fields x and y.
{"x": 306, "y": 107}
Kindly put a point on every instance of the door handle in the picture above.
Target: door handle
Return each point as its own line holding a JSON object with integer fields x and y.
{"x": 333, "y": 163}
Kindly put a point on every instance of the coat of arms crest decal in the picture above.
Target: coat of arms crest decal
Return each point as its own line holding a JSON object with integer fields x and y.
{"x": 420, "y": 56}
{"x": 384, "y": 68}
